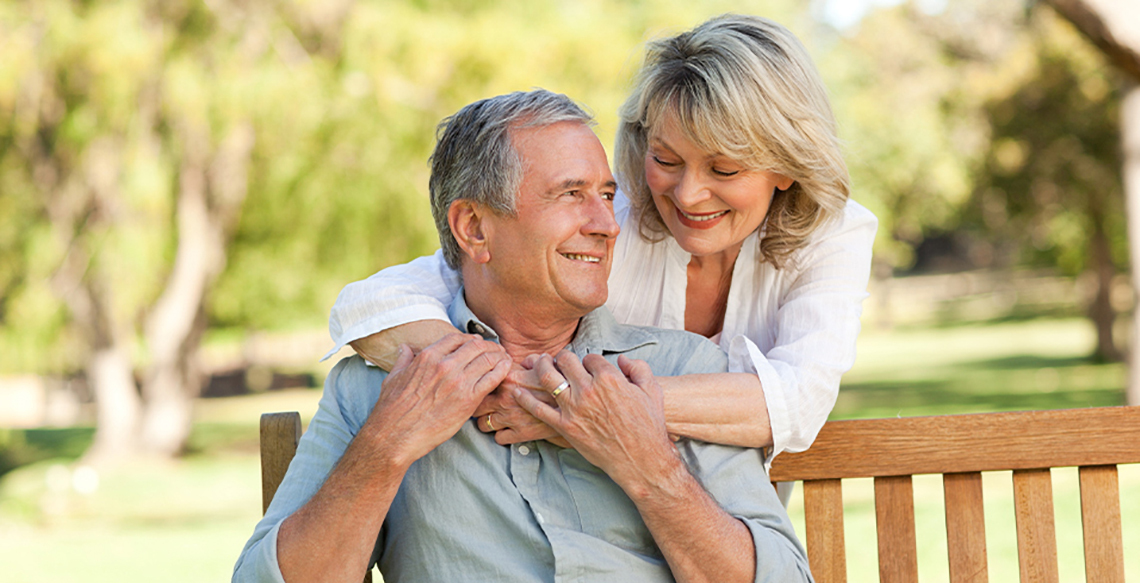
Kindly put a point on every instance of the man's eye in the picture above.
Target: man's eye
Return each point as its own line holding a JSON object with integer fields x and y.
{"x": 608, "y": 196}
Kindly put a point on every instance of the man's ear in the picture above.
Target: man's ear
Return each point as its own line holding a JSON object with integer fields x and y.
{"x": 469, "y": 226}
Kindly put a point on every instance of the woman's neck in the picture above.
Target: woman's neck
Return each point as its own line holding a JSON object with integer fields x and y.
{"x": 706, "y": 294}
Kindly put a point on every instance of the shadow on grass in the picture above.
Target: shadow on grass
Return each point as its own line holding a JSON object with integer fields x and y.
{"x": 20, "y": 447}
{"x": 1026, "y": 361}
{"x": 25, "y": 446}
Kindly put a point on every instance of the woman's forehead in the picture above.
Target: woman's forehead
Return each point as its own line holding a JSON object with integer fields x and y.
{"x": 714, "y": 137}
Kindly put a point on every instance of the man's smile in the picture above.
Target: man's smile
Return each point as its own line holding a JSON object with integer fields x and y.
{"x": 581, "y": 257}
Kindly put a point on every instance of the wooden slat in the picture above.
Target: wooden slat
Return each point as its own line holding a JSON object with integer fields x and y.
{"x": 280, "y": 433}
{"x": 950, "y": 443}
{"x": 1100, "y": 514}
{"x": 894, "y": 516}
{"x": 823, "y": 520}
{"x": 965, "y": 527}
{"x": 1036, "y": 537}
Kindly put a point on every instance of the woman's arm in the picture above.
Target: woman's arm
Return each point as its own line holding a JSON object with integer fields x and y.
{"x": 382, "y": 348}
{"x": 724, "y": 408}
{"x": 419, "y": 290}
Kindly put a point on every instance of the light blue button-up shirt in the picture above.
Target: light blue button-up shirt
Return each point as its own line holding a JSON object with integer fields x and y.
{"x": 473, "y": 510}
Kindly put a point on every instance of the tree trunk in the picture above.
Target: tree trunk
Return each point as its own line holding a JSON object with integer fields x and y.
{"x": 1101, "y": 311}
{"x": 109, "y": 373}
{"x": 210, "y": 195}
{"x": 1130, "y": 133}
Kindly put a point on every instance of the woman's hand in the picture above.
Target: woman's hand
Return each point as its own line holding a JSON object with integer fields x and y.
{"x": 500, "y": 413}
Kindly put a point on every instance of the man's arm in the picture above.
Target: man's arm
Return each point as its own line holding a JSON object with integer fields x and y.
{"x": 422, "y": 403}
{"x": 619, "y": 426}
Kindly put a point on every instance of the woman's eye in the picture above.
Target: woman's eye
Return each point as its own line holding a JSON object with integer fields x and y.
{"x": 725, "y": 173}
{"x": 664, "y": 163}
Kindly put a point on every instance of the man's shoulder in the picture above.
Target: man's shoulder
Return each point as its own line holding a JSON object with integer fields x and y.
{"x": 354, "y": 385}
{"x": 676, "y": 352}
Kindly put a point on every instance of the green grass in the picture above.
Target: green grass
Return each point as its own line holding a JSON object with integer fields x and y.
{"x": 186, "y": 520}
{"x": 1035, "y": 364}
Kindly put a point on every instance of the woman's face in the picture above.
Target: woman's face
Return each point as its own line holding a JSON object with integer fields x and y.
{"x": 710, "y": 202}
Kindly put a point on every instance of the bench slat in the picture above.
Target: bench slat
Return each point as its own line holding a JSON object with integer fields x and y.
{"x": 823, "y": 521}
{"x": 1100, "y": 514}
{"x": 280, "y": 433}
{"x": 950, "y": 443}
{"x": 965, "y": 527}
{"x": 1036, "y": 536}
{"x": 894, "y": 515}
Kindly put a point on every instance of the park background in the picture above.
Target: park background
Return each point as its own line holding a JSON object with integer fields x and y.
{"x": 185, "y": 186}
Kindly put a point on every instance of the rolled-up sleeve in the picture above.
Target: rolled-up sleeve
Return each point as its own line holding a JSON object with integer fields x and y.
{"x": 736, "y": 479}
{"x": 813, "y": 340}
{"x": 419, "y": 290}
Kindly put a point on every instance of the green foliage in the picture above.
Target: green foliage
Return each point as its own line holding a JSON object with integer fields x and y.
{"x": 1043, "y": 188}
{"x": 344, "y": 98}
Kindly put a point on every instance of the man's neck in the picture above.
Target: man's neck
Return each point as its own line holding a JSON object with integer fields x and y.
{"x": 522, "y": 328}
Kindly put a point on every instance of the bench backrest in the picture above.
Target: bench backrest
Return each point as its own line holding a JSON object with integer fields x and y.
{"x": 960, "y": 447}
{"x": 280, "y": 434}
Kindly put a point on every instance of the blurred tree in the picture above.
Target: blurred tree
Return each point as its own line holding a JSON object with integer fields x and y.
{"x": 1114, "y": 27}
{"x": 1049, "y": 184}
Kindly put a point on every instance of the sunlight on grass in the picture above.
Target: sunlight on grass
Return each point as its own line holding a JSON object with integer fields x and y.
{"x": 1037, "y": 364}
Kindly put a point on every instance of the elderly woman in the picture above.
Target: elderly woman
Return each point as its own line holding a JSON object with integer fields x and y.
{"x": 738, "y": 226}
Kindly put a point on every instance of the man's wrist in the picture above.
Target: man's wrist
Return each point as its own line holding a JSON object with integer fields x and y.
{"x": 666, "y": 477}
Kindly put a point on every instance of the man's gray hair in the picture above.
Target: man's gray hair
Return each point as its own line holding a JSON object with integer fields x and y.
{"x": 475, "y": 160}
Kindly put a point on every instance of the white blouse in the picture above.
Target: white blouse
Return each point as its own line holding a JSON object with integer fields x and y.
{"x": 794, "y": 327}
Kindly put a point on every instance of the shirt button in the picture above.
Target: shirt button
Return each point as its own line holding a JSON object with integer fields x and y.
{"x": 480, "y": 330}
{"x": 524, "y": 449}
{"x": 539, "y": 517}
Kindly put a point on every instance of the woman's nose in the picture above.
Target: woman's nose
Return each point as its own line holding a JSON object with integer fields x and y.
{"x": 691, "y": 189}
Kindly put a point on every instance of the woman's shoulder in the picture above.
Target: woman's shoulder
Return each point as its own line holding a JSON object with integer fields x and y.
{"x": 852, "y": 231}
{"x": 855, "y": 219}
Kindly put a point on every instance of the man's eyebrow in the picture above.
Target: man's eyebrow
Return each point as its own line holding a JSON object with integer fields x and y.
{"x": 576, "y": 183}
{"x": 569, "y": 184}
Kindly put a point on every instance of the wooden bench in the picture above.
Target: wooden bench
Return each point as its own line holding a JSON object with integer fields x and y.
{"x": 959, "y": 447}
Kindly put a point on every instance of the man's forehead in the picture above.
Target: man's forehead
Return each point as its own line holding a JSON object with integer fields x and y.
{"x": 562, "y": 154}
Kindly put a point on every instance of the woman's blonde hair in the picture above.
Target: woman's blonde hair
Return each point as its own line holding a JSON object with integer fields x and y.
{"x": 743, "y": 87}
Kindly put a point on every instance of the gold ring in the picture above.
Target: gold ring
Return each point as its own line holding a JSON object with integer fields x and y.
{"x": 558, "y": 391}
{"x": 489, "y": 425}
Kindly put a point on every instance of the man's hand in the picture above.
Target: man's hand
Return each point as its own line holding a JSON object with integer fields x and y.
{"x": 501, "y": 414}
{"x": 426, "y": 398}
{"x": 614, "y": 418}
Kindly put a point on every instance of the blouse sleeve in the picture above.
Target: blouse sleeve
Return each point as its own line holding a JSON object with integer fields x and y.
{"x": 816, "y": 325}
{"x": 420, "y": 290}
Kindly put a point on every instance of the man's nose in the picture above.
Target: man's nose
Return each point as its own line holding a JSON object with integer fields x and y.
{"x": 601, "y": 221}
{"x": 691, "y": 189}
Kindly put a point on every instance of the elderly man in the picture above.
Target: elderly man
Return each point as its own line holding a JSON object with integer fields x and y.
{"x": 392, "y": 469}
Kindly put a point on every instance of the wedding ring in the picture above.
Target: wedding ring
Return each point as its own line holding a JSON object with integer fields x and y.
{"x": 489, "y": 425}
{"x": 558, "y": 391}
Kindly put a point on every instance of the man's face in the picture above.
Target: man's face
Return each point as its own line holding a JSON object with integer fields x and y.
{"x": 555, "y": 255}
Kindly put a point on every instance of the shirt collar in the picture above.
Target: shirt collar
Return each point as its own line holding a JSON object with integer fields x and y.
{"x": 598, "y": 332}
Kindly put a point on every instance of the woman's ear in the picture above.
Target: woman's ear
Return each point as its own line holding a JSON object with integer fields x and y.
{"x": 470, "y": 228}
{"x": 782, "y": 182}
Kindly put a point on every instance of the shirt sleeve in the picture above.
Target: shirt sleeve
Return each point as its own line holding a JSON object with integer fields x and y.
{"x": 735, "y": 477}
{"x": 419, "y": 290}
{"x": 329, "y": 433}
{"x": 817, "y": 323}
